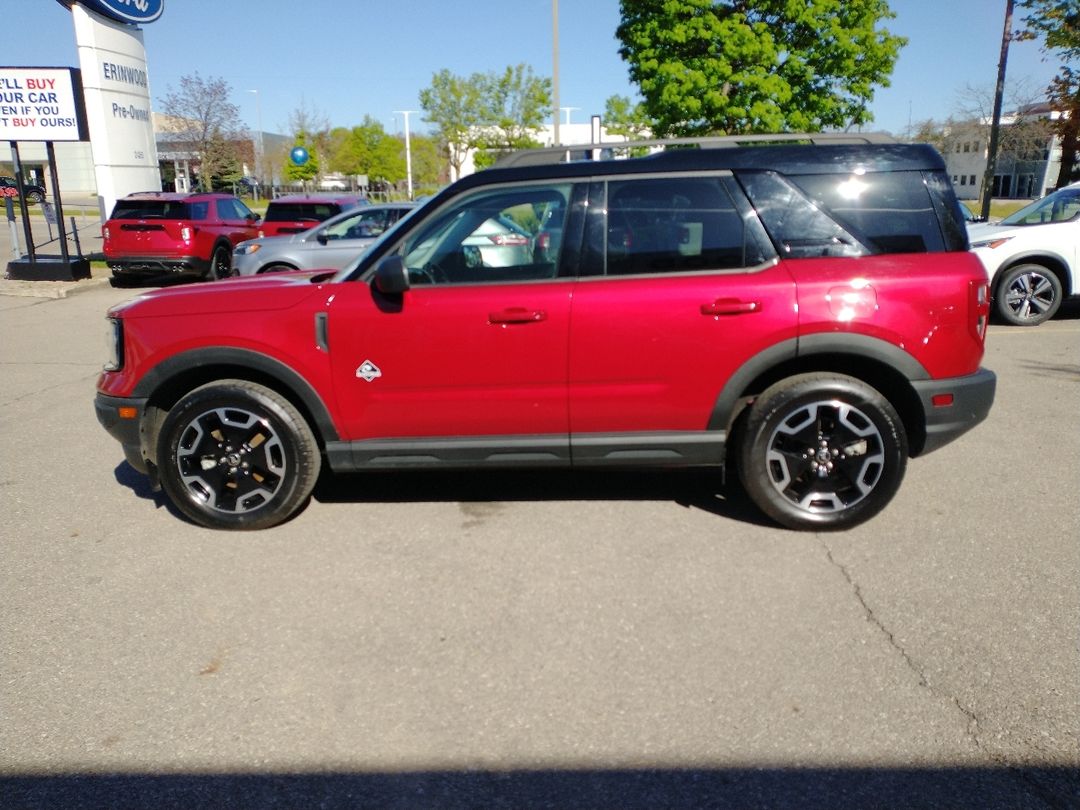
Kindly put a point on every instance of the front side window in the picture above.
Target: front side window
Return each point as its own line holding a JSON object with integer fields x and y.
{"x": 674, "y": 225}
{"x": 494, "y": 236}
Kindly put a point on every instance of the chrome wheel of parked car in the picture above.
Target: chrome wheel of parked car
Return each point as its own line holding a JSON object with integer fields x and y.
{"x": 822, "y": 451}
{"x": 1028, "y": 295}
{"x": 221, "y": 263}
{"x": 237, "y": 455}
{"x": 34, "y": 197}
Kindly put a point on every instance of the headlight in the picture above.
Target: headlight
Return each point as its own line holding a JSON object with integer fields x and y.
{"x": 991, "y": 243}
{"x": 246, "y": 250}
{"x": 114, "y": 344}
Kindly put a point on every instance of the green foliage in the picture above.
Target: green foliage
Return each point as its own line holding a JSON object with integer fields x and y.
{"x": 367, "y": 149}
{"x": 491, "y": 112}
{"x": 452, "y": 104}
{"x": 741, "y": 66}
{"x": 624, "y": 117}
{"x": 307, "y": 172}
{"x": 1058, "y": 22}
{"x": 202, "y": 121}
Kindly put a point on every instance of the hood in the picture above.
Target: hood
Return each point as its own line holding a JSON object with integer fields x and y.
{"x": 981, "y": 231}
{"x": 274, "y": 291}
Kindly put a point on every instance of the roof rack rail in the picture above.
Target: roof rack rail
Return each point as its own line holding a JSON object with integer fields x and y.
{"x": 609, "y": 150}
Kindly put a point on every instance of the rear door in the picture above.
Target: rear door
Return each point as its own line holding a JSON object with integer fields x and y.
{"x": 235, "y": 220}
{"x": 685, "y": 289}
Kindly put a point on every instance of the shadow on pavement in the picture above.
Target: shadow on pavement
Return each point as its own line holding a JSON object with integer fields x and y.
{"x": 647, "y": 789}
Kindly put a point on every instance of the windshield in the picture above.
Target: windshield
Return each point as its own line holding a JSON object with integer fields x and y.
{"x": 1061, "y": 206}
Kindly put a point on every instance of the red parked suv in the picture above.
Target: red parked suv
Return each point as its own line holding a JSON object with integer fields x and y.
{"x": 151, "y": 234}
{"x": 806, "y": 316}
{"x": 296, "y": 213}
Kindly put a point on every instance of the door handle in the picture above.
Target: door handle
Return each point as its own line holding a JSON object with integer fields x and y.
{"x": 517, "y": 315}
{"x": 730, "y": 306}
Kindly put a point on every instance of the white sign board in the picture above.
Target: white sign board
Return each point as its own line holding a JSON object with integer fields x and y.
{"x": 41, "y": 104}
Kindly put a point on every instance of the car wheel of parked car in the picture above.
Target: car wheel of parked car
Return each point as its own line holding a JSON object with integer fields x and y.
{"x": 1027, "y": 295}
{"x": 237, "y": 455}
{"x": 276, "y": 268}
{"x": 822, "y": 451}
{"x": 221, "y": 263}
{"x": 34, "y": 197}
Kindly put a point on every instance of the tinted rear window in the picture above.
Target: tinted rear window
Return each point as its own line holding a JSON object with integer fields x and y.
{"x": 301, "y": 212}
{"x": 892, "y": 211}
{"x": 158, "y": 209}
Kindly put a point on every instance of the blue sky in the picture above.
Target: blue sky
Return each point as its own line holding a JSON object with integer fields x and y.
{"x": 345, "y": 59}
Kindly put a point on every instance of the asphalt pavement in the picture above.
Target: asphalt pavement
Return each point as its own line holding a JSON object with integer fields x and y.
{"x": 535, "y": 639}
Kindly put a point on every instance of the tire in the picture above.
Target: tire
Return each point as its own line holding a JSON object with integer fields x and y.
{"x": 237, "y": 455}
{"x": 221, "y": 263}
{"x": 822, "y": 452}
{"x": 34, "y": 197}
{"x": 1027, "y": 295}
{"x": 276, "y": 268}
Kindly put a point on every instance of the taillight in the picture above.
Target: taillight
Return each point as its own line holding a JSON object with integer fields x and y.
{"x": 979, "y": 306}
{"x": 105, "y": 234}
{"x": 185, "y": 234}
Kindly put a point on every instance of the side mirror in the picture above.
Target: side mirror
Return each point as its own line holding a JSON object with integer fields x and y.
{"x": 391, "y": 276}
{"x": 321, "y": 238}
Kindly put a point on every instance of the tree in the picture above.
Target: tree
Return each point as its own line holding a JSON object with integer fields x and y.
{"x": 624, "y": 117}
{"x": 202, "y": 120}
{"x": 742, "y": 66}
{"x": 452, "y": 104}
{"x": 368, "y": 149}
{"x": 515, "y": 106}
{"x": 311, "y": 129}
{"x": 305, "y": 172}
{"x": 1058, "y": 22}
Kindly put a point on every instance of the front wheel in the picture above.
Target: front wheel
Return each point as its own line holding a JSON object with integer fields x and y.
{"x": 237, "y": 455}
{"x": 34, "y": 197}
{"x": 1028, "y": 295}
{"x": 221, "y": 263}
{"x": 822, "y": 452}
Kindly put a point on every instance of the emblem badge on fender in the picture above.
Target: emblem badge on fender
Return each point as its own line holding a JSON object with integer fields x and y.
{"x": 368, "y": 371}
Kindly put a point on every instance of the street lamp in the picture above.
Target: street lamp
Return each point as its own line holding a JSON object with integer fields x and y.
{"x": 408, "y": 149}
{"x": 259, "y": 152}
{"x": 567, "y": 110}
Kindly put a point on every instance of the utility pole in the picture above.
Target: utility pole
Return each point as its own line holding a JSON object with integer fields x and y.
{"x": 408, "y": 150}
{"x": 995, "y": 125}
{"x": 259, "y": 147}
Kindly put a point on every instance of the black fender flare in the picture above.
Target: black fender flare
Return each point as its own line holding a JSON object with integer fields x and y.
{"x": 290, "y": 382}
{"x": 824, "y": 343}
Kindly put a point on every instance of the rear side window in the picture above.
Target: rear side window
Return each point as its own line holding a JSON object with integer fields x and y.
{"x": 152, "y": 209}
{"x": 677, "y": 225}
{"x": 301, "y": 212}
{"x": 891, "y": 211}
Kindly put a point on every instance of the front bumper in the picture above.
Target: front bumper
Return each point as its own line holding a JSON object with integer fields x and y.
{"x": 971, "y": 398}
{"x": 125, "y": 429}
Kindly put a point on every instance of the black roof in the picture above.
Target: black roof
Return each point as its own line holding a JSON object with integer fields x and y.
{"x": 786, "y": 159}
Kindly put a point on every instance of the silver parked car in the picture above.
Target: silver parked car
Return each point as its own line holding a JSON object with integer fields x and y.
{"x": 329, "y": 245}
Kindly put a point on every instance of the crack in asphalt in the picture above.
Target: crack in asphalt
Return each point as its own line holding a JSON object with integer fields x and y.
{"x": 970, "y": 716}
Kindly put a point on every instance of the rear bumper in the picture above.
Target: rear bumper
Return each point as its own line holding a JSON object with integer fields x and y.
{"x": 157, "y": 265}
{"x": 971, "y": 398}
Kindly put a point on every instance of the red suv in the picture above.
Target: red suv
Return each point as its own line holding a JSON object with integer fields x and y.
{"x": 296, "y": 213}
{"x": 805, "y": 316}
{"x": 151, "y": 234}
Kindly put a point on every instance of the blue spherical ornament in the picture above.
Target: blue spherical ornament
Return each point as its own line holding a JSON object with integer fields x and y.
{"x": 299, "y": 155}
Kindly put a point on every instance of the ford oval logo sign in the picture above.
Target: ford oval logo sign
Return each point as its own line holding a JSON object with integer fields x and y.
{"x": 128, "y": 11}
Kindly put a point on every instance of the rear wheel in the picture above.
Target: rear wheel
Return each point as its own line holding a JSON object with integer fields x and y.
{"x": 237, "y": 455}
{"x": 34, "y": 197}
{"x": 822, "y": 451}
{"x": 221, "y": 263}
{"x": 1028, "y": 295}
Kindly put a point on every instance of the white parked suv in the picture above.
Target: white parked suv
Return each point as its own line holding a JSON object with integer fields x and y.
{"x": 1032, "y": 257}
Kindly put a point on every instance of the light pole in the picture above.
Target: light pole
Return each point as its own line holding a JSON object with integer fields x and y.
{"x": 408, "y": 149}
{"x": 259, "y": 147}
{"x": 567, "y": 110}
{"x": 555, "y": 67}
